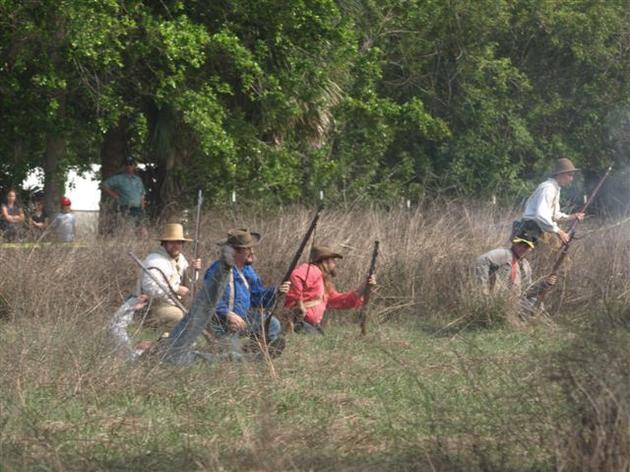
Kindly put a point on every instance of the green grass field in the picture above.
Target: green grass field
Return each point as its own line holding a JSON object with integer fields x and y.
{"x": 402, "y": 398}
{"x": 445, "y": 379}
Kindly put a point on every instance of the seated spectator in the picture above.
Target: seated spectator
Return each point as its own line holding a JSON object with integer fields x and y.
{"x": 64, "y": 223}
{"x": 12, "y": 217}
{"x": 38, "y": 220}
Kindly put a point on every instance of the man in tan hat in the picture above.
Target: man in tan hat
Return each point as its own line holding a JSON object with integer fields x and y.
{"x": 245, "y": 297}
{"x": 542, "y": 209}
{"x": 169, "y": 265}
{"x": 312, "y": 290}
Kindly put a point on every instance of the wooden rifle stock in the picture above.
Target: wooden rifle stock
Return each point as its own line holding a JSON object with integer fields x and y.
{"x": 565, "y": 248}
{"x": 279, "y": 300}
{"x": 195, "y": 274}
{"x": 368, "y": 290}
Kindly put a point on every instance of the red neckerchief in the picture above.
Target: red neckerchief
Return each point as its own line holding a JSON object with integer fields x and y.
{"x": 514, "y": 268}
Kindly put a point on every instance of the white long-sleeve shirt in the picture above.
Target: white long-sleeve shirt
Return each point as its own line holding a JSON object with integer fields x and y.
{"x": 543, "y": 206}
{"x": 173, "y": 269}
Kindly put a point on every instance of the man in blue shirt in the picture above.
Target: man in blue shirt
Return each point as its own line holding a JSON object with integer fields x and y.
{"x": 128, "y": 192}
{"x": 242, "y": 308}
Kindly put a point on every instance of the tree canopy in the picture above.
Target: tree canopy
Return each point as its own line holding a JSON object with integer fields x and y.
{"x": 279, "y": 100}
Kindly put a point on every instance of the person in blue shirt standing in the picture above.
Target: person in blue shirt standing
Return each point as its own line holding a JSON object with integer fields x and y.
{"x": 127, "y": 190}
{"x": 244, "y": 304}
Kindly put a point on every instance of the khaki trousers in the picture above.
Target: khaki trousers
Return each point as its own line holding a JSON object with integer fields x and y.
{"x": 164, "y": 315}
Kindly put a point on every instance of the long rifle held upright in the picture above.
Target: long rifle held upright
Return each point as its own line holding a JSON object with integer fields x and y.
{"x": 279, "y": 301}
{"x": 195, "y": 274}
{"x": 368, "y": 290}
{"x": 565, "y": 248}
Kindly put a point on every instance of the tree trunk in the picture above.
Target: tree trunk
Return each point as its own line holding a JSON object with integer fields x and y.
{"x": 114, "y": 149}
{"x": 54, "y": 176}
{"x": 163, "y": 144}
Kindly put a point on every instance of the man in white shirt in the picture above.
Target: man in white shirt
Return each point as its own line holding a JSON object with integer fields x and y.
{"x": 168, "y": 265}
{"x": 542, "y": 209}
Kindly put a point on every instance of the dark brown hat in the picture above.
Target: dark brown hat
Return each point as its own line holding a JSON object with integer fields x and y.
{"x": 241, "y": 238}
{"x": 319, "y": 253}
{"x": 563, "y": 166}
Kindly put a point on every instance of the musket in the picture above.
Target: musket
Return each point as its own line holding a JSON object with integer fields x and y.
{"x": 166, "y": 289}
{"x": 368, "y": 290}
{"x": 195, "y": 274}
{"x": 565, "y": 248}
{"x": 279, "y": 298}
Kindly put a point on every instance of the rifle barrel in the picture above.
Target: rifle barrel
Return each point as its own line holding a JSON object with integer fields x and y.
{"x": 368, "y": 290}
{"x": 303, "y": 243}
{"x": 195, "y": 274}
{"x": 590, "y": 199}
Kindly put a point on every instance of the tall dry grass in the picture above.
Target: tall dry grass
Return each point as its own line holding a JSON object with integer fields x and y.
{"x": 57, "y": 299}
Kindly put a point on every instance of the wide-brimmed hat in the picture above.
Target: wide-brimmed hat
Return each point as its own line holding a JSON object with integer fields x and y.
{"x": 173, "y": 232}
{"x": 319, "y": 253}
{"x": 241, "y": 238}
{"x": 563, "y": 166}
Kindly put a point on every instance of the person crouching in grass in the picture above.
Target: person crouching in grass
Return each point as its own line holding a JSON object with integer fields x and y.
{"x": 170, "y": 266}
{"x": 507, "y": 271}
{"x": 312, "y": 291}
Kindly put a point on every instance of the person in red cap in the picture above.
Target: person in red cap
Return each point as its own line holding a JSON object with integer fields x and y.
{"x": 64, "y": 223}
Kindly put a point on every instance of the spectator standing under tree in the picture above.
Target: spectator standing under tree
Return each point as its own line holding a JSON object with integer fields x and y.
{"x": 127, "y": 190}
{"x": 12, "y": 217}
{"x": 38, "y": 220}
{"x": 64, "y": 224}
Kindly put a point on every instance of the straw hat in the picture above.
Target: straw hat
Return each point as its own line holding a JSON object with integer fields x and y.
{"x": 241, "y": 238}
{"x": 173, "y": 232}
{"x": 563, "y": 166}
{"x": 319, "y": 253}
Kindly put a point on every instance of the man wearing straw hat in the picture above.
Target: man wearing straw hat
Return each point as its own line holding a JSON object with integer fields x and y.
{"x": 507, "y": 270}
{"x": 542, "y": 209}
{"x": 168, "y": 264}
{"x": 241, "y": 310}
{"x": 312, "y": 291}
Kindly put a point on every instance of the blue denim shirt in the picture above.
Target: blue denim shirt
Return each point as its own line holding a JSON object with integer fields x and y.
{"x": 256, "y": 296}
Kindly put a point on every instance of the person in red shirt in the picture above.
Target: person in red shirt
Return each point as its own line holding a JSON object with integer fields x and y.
{"x": 312, "y": 291}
